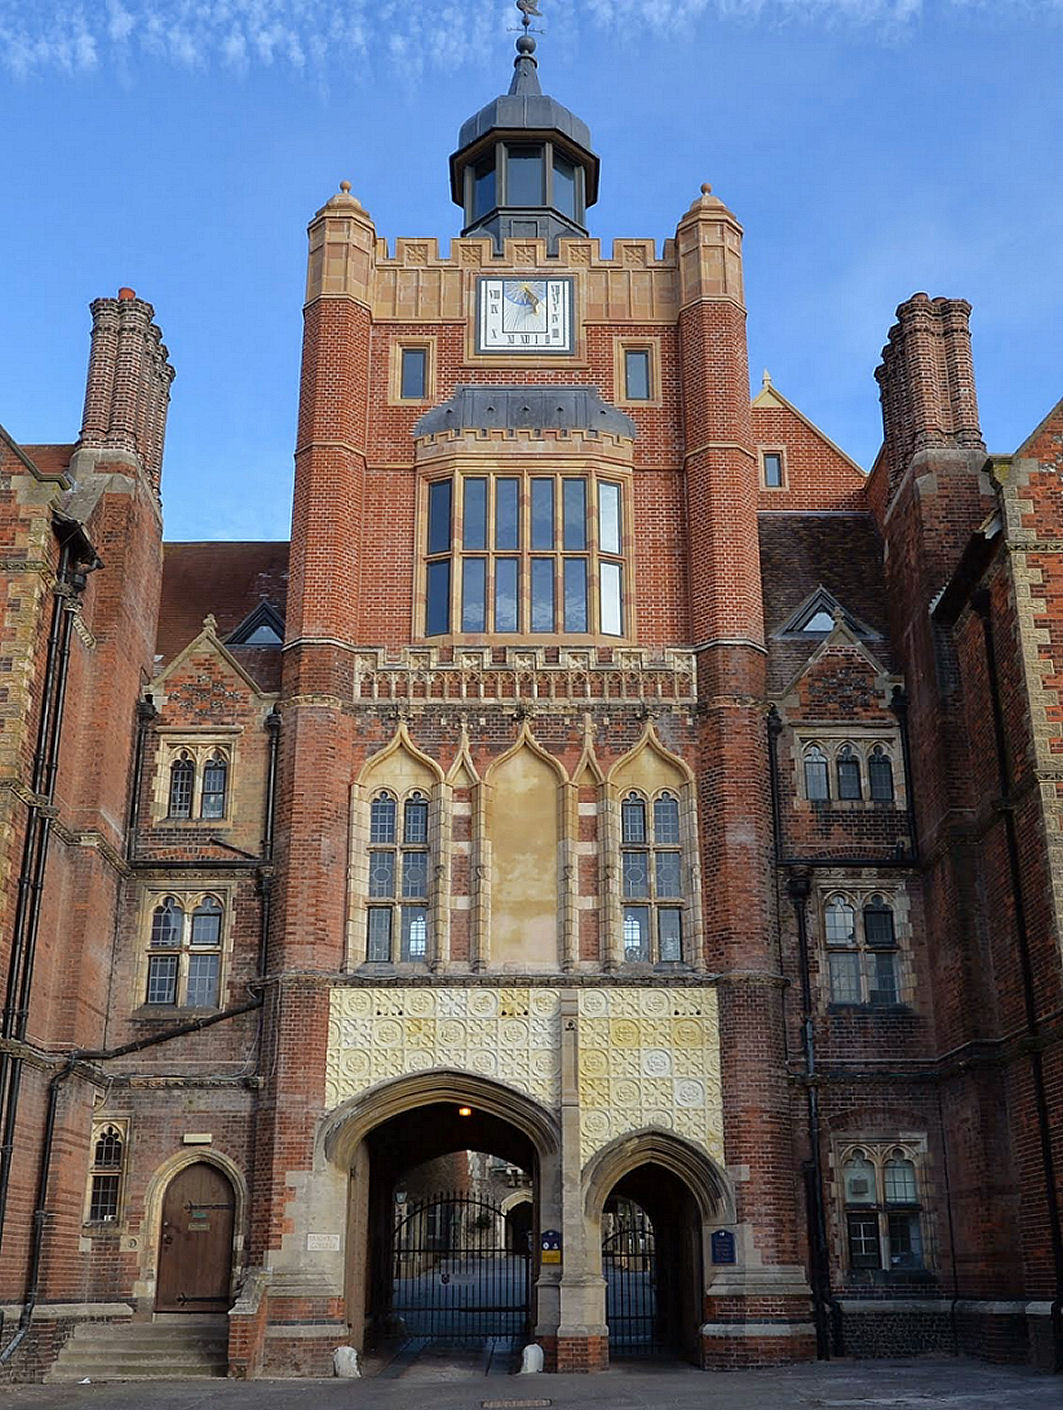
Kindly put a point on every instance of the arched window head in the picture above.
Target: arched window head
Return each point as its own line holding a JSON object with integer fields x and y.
{"x": 215, "y": 786}
{"x": 108, "y": 1151}
{"x": 880, "y": 775}
{"x": 166, "y": 924}
{"x": 817, "y": 781}
{"x": 859, "y": 1180}
{"x": 840, "y": 922}
{"x": 182, "y": 784}
{"x": 206, "y": 922}
{"x": 666, "y": 821}
{"x": 878, "y": 924}
{"x": 415, "y": 822}
{"x": 382, "y": 820}
{"x": 848, "y": 769}
{"x": 633, "y": 819}
{"x": 900, "y": 1185}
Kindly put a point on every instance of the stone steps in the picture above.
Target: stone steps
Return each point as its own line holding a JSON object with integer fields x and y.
{"x": 134, "y": 1351}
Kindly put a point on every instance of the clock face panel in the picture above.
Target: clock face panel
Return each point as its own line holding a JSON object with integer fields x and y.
{"x": 524, "y": 315}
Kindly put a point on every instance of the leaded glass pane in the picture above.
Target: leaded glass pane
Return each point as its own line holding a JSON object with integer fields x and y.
{"x": 670, "y": 934}
{"x": 415, "y": 823}
{"x": 203, "y": 971}
{"x": 414, "y": 874}
{"x": 474, "y": 595}
{"x": 883, "y": 978}
{"x": 542, "y": 497}
{"x": 474, "y": 514}
{"x": 840, "y": 922}
{"x": 636, "y": 933}
{"x": 666, "y": 820}
{"x": 108, "y": 1152}
{"x": 880, "y": 775}
{"x": 507, "y": 595}
{"x": 182, "y": 781}
{"x": 848, "y": 776}
{"x": 905, "y": 1241}
{"x": 669, "y": 874}
{"x": 215, "y": 781}
{"x": 382, "y": 821}
{"x": 878, "y": 924}
{"x": 900, "y": 1182}
{"x": 575, "y": 595}
{"x": 507, "y": 516}
{"x": 612, "y": 607}
{"x": 609, "y": 517}
{"x": 575, "y": 512}
{"x": 845, "y": 979}
{"x": 542, "y": 585}
{"x": 438, "y": 583}
{"x": 414, "y": 932}
{"x": 863, "y": 1241}
{"x": 636, "y": 873}
{"x": 381, "y": 874}
{"x": 817, "y": 783}
{"x": 162, "y": 979}
{"x": 378, "y": 946}
{"x": 633, "y": 820}
{"x": 103, "y": 1201}
{"x": 206, "y": 922}
{"x": 166, "y": 923}
{"x": 859, "y": 1181}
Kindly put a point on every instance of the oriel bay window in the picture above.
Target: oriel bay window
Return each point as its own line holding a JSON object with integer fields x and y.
{"x": 530, "y": 554}
{"x": 651, "y": 865}
{"x": 397, "y": 913}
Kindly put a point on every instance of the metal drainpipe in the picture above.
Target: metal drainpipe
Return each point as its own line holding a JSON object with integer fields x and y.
{"x": 980, "y": 602}
{"x": 146, "y": 715}
{"x": 68, "y": 588}
{"x": 798, "y": 888}
{"x": 273, "y": 724}
{"x": 899, "y": 706}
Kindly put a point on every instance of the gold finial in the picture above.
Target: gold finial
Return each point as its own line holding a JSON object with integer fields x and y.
{"x": 345, "y": 187}
{"x": 706, "y": 189}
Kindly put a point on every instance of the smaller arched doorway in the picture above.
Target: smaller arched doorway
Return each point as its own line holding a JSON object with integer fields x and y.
{"x": 196, "y": 1241}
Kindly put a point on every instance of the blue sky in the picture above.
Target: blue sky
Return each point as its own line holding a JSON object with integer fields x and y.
{"x": 871, "y": 148}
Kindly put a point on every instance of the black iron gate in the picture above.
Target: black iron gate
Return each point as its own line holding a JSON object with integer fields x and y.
{"x": 629, "y": 1265}
{"x": 454, "y": 1279}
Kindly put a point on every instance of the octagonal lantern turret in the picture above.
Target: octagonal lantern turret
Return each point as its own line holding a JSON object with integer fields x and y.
{"x": 524, "y": 168}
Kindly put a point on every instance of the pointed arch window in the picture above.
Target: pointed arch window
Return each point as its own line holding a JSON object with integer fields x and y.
{"x": 215, "y": 786}
{"x": 652, "y": 879}
{"x": 847, "y": 766}
{"x": 880, "y": 775}
{"x": 108, "y": 1150}
{"x": 185, "y": 953}
{"x": 398, "y": 879}
{"x": 182, "y": 785}
{"x": 817, "y": 778}
{"x": 883, "y": 1212}
{"x": 862, "y": 964}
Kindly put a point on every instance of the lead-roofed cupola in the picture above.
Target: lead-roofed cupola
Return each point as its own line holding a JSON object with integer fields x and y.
{"x": 524, "y": 168}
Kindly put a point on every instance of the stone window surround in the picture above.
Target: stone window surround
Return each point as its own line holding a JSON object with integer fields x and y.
{"x": 121, "y": 1125}
{"x": 858, "y": 894}
{"x": 861, "y": 739}
{"x": 430, "y": 346}
{"x": 188, "y": 894}
{"x": 623, "y": 344}
{"x": 173, "y": 740}
{"x": 878, "y": 1149}
{"x": 784, "y": 482}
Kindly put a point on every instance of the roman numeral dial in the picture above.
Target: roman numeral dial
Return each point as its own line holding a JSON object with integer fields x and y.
{"x": 524, "y": 315}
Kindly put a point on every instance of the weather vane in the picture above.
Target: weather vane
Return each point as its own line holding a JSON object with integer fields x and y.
{"x": 528, "y": 8}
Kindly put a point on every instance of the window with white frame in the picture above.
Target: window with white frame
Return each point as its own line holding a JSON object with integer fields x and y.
{"x": 851, "y": 771}
{"x": 185, "y": 947}
{"x": 883, "y": 1206}
{"x": 651, "y": 866}
{"x": 399, "y": 852}
{"x": 862, "y": 952}
{"x": 197, "y": 783}
{"x": 105, "y": 1177}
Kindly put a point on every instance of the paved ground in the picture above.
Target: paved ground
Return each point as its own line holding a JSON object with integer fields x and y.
{"x": 924, "y": 1384}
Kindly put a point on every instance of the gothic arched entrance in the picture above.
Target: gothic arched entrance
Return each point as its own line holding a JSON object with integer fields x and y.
{"x": 196, "y": 1241}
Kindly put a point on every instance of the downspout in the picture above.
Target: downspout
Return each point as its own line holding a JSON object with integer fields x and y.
{"x": 980, "y": 602}
{"x": 68, "y": 587}
{"x": 825, "y": 1313}
{"x": 146, "y": 715}
{"x": 265, "y": 881}
{"x": 899, "y": 706}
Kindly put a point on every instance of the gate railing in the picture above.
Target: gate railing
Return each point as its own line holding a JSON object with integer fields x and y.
{"x": 630, "y": 1271}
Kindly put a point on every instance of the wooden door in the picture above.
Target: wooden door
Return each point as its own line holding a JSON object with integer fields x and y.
{"x": 196, "y": 1242}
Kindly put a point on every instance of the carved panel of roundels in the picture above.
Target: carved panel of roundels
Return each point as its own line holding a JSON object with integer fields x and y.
{"x": 510, "y": 1035}
{"x": 649, "y": 1057}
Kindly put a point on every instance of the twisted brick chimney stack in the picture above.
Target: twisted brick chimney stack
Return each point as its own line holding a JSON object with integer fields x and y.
{"x": 128, "y": 390}
{"x": 926, "y": 382}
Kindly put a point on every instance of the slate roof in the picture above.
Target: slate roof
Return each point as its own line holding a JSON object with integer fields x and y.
{"x": 802, "y": 551}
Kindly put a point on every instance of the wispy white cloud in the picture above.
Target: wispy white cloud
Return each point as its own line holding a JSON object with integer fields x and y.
{"x": 71, "y": 36}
